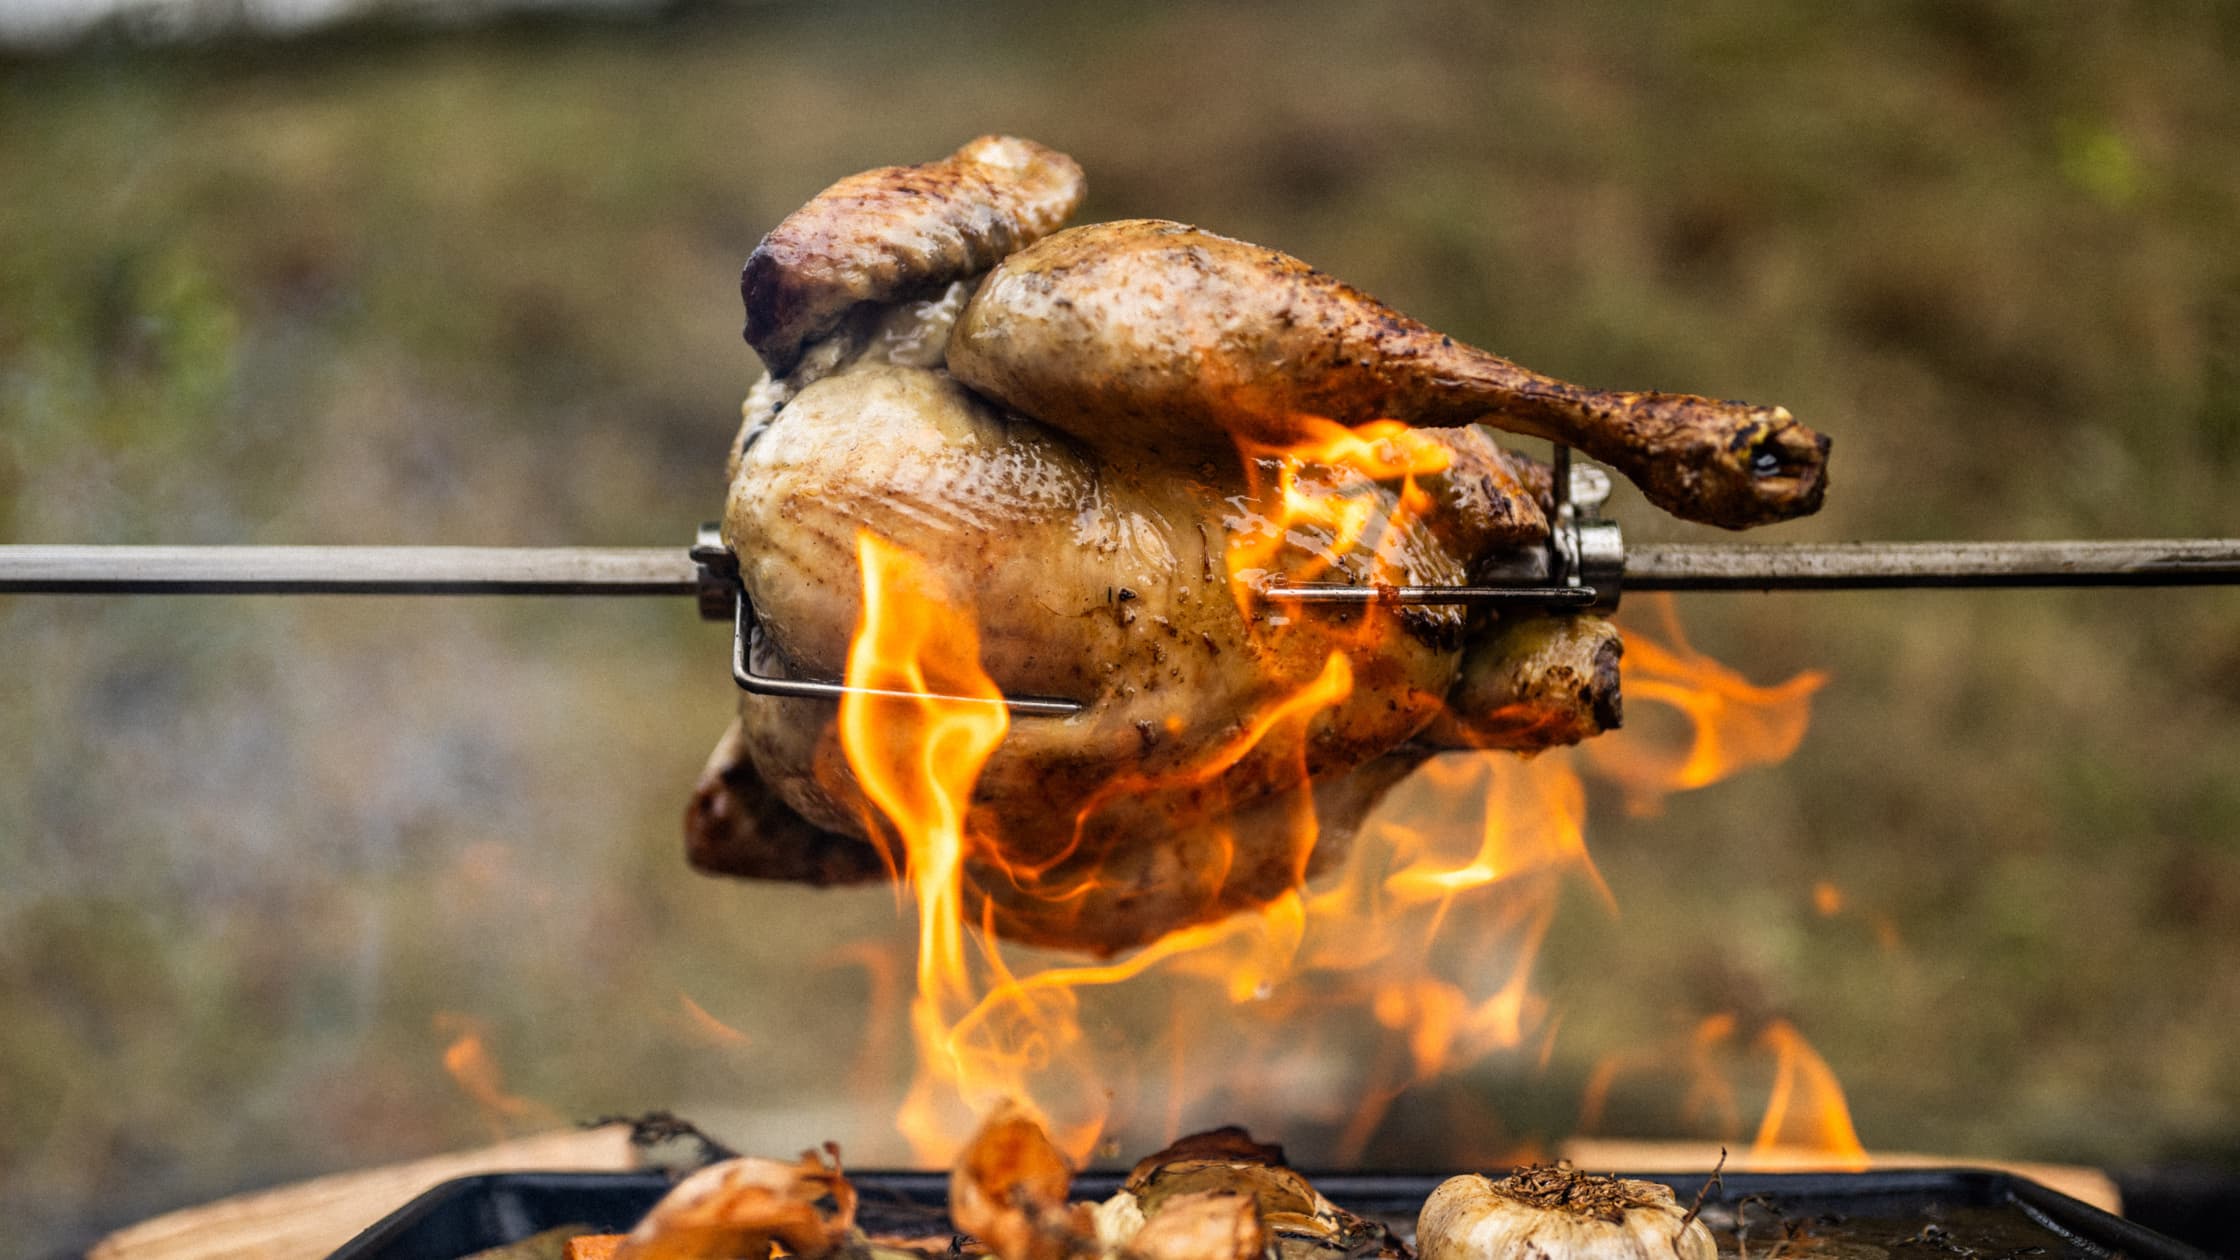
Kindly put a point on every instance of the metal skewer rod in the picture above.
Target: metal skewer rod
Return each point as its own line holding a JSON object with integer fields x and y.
{"x": 1885, "y": 566}
{"x": 347, "y": 571}
{"x": 224, "y": 570}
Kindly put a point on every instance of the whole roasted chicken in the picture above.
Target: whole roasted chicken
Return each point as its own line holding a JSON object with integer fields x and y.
{"x": 1053, "y": 423}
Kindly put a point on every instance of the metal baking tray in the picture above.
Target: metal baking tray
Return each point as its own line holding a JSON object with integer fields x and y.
{"x": 1927, "y": 1214}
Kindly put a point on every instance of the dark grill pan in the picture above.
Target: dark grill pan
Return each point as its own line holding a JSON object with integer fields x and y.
{"x": 1935, "y": 1214}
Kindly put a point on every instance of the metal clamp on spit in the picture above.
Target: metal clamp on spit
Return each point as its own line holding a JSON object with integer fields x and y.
{"x": 1581, "y": 567}
{"x": 724, "y": 595}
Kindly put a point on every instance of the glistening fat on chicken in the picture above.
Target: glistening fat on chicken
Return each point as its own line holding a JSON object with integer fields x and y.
{"x": 1087, "y": 519}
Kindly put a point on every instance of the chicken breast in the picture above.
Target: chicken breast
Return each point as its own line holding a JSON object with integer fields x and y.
{"x": 1162, "y": 342}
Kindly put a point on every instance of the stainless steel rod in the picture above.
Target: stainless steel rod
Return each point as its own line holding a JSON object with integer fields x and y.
{"x": 1884, "y": 566}
{"x": 347, "y": 570}
{"x": 223, "y": 570}
{"x": 1323, "y": 593}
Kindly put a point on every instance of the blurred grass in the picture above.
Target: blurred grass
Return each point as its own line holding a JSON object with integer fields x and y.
{"x": 376, "y": 286}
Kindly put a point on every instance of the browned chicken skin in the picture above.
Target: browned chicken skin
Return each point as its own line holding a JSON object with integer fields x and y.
{"x": 897, "y": 232}
{"x": 1166, "y": 341}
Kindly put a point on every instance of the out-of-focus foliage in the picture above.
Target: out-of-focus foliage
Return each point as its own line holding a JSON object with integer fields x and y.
{"x": 479, "y": 287}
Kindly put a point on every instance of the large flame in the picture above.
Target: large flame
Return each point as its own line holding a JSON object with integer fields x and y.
{"x": 916, "y": 748}
{"x": 1409, "y": 959}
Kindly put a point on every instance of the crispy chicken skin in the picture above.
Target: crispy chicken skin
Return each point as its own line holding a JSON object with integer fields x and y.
{"x": 1167, "y": 342}
{"x": 900, "y": 232}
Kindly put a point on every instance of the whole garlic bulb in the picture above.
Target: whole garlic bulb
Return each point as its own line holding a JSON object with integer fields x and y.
{"x": 1557, "y": 1213}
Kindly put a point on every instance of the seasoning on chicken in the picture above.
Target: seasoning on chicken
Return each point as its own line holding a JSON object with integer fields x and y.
{"x": 898, "y": 232}
{"x": 1165, "y": 341}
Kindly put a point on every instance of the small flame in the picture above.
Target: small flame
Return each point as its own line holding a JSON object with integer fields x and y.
{"x": 1323, "y": 501}
{"x": 1806, "y": 1114}
{"x": 467, "y": 1058}
{"x": 1806, "y": 1122}
{"x": 1830, "y": 902}
{"x": 1733, "y": 724}
{"x": 707, "y": 1028}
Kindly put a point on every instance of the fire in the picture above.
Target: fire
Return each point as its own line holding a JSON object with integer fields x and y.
{"x": 1806, "y": 1122}
{"x": 1409, "y": 958}
{"x": 467, "y": 1058}
{"x": 707, "y": 1028}
{"x": 1830, "y": 902}
{"x": 1806, "y": 1112}
{"x": 1324, "y": 499}
{"x": 917, "y": 757}
{"x": 1733, "y": 724}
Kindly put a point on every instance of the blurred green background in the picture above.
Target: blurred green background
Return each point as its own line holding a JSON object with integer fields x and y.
{"x": 380, "y": 284}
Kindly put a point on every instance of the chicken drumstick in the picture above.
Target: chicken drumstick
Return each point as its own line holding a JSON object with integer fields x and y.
{"x": 1165, "y": 340}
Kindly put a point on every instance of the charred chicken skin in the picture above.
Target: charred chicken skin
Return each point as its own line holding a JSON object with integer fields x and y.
{"x": 1058, "y": 443}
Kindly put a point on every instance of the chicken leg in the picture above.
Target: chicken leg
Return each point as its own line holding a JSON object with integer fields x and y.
{"x": 1164, "y": 340}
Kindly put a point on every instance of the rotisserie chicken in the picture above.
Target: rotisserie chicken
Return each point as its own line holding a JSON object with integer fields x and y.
{"x": 1058, "y": 446}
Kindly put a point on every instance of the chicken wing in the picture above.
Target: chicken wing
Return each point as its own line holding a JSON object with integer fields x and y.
{"x": 899, "y": 232}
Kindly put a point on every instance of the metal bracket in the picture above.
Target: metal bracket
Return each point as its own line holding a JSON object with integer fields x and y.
{"x": 724, "y": 595}
{"x": 1588, "y": 551}
{"x": 1580, "y": 568}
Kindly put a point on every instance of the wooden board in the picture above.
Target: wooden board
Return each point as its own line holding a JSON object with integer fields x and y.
{"x": 2088, "y": 1185}
{"x": 309, "y": 1219}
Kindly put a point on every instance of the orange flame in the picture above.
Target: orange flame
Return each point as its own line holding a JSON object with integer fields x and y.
{"x": 1733, "y": 724}
{"x": 1829, "y": 901}
{"x": 1806, "y": 1114}
{"x": 707, "y": 1028}
{"x": 1806, "y": 1122}
{"x": 1410, "y": 958}
{"x": 917, "y": 757}
{"x": 1325, "y": 501}
{"x": 467, "y": 1058}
